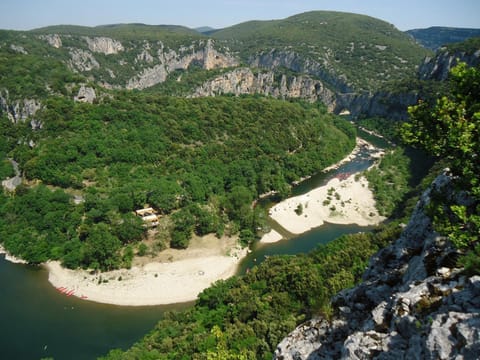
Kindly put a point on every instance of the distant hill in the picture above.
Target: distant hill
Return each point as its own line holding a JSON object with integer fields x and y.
{"x": 204, "y": 29}
{"x": 435, "y": 37}
{"x": 122, "y": 31}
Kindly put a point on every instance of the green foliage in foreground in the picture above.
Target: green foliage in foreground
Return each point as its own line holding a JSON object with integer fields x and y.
{"x": 246, "y": 317}
{"x": 200, "y": 161}
{"x": 450, "y": 128}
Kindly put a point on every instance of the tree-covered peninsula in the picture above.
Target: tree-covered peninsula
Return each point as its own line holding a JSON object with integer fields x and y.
{"x": 200, "y": 163}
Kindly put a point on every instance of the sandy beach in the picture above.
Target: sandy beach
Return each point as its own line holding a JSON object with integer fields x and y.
{"x": 176, "y": 276}
{"x": 347, "y": 201}
{"x": 340, "y": 201}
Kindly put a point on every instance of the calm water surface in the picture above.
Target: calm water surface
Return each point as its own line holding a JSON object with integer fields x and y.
{"x": 36, "y": 321}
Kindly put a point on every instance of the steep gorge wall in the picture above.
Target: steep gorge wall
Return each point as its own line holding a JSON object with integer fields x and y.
{"x": 438, "y": 67}
{"x": 170, "y": 60}
{"x": 244, "y": 81}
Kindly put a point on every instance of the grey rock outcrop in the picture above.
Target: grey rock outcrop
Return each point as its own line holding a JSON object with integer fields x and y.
{"x": 81, "y": 60}
{"x": 85, "y": 94}
{"x": 394, "y": 105}
{"x": 412, "y": 304}
{"x": 11, "y": 184}
{"x": 381, "y": 104}
{"x": 171, "y": 60}
{"x": 53, "y": 40}
{"x": 18, "y": 110}
{"x": 148, "y": 78}
{"x": 244, "y": 81}
{"x": 288, "y": 59}
{"x": 438, "y": 67}
{"x": 104, "y": 45}
{"x": 18, "y": 49}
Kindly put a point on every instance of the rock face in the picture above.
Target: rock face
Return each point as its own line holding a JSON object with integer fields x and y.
{"x": 381, "y": 104}
{"x": 438, "y": 67}
{"x": 19, "y": 110}
{"x": 412, "y": 304}
{"x": 53, "y": 40}
{"x": 104, "y": 45}
{"x": 295, "y": 62}
{"x": 170, "y": 60}
{"x": 86, "y": 94}
{"x": 11, "y": 184}
{"x": 244, "y": 81}
{"x": 82, "y": 60}
{"x": 18, "y": 49}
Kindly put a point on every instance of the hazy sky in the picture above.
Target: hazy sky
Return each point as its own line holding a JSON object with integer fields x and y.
{"x": 404, "y": 14}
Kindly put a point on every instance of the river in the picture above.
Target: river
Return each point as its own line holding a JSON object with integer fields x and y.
{"x": 39, "y": 322}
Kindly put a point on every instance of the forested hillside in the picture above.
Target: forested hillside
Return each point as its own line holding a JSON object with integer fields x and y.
{"x": 204, "y": 160}
{"x": 350, "y": 52}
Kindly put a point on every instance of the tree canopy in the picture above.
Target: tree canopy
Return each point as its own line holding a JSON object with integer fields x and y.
{"x": 450, "y": 129}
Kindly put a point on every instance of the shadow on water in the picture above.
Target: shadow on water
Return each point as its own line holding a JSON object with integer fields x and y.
{"x": 300, "y": 244}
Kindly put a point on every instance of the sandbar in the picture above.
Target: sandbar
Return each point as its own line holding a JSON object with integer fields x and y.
{"x": 340, "y": 201}
{"x": 271, "y": 237}
{"x": 179, "y": 278}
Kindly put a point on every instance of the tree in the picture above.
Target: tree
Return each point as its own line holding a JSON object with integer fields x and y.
{"x": 450, "y": 129}
{"x": 184, "y": 223}
{"x": 102, "y": 248}
{"x": 130, "y": 229}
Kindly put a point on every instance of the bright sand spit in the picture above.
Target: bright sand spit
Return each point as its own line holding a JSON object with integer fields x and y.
{"x": 354, "y": 203}
{"x": 180, "y": 277}
{"x": 348, "y": 201}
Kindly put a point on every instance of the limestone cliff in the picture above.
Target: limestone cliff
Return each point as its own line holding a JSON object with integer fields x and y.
{"x": 293, "y": 61}
{"x": 438, "y": 67}
{"x": 104, "y": 45}
{"x": 18, "y": 110}
{"x": 53, "y": 40}
{"x": 413, "y": 303}
{"x": 82, "y": 60}
{"x": 394, "y": 105}
{"x": 170, "y": 60}
{"x": 244, "y": 81}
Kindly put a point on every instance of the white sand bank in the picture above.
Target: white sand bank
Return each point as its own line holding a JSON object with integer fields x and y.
{"x": 271, "y": 237}
{"x": 339, "y": 201}
{"x": 11, "y": 258}
{"x": 153, "y": 283}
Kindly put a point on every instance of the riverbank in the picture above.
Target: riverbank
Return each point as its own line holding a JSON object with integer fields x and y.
{"x": 175, "y": 276}
{"x": 11, "y": 258}
{"x": 340, "y": 201}
{"x": 343, "y": 200}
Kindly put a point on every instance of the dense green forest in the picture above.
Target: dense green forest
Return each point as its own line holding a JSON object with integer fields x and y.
{"x": 199, "y": 162}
